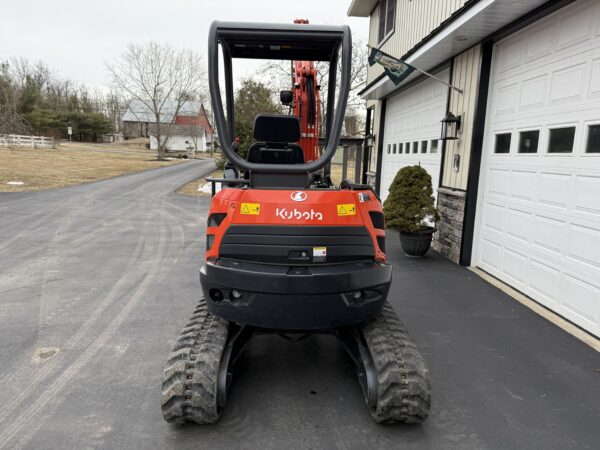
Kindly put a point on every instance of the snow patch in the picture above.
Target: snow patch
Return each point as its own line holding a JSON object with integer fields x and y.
{"x": 207, "y": 189}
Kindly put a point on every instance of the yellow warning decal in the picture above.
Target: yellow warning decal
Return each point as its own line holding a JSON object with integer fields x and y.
{"x": 250, "y": 208}
{"x": 347, "y": 209}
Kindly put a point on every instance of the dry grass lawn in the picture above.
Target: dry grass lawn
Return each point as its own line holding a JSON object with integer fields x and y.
{"x": 73, "y": 163}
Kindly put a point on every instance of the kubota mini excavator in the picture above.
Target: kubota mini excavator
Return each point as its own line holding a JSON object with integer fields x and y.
{"x": 288, "y": 251}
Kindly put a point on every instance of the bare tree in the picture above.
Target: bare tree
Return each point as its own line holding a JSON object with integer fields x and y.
{"x": 280, "y": 77}
{"x": 114, "y": 107}
{"x": 11, "y": 122}
{"x": 162, "y": 79}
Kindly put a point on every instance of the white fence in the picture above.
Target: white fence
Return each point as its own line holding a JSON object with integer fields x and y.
{"x": 19, "y": 140}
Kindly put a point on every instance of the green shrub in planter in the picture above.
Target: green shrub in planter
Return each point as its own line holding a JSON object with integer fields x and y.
{"x": 409, "y": 204}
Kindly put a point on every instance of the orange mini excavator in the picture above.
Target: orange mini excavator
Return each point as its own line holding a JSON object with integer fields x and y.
{"x": 286, "y": 251}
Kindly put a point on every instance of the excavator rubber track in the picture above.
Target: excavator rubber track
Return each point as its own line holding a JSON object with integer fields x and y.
{"x": 403, "y": 391}
{"x": 190, "y": 388}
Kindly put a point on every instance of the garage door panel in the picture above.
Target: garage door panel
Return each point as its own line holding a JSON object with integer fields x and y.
{"x": 540, "y": 44}
{"x": 539, "y": 214}
{"x": 550, "y": 234}
{"x": 491, "y": 254}
{"x": 414, "y": 116}
{"x": 581, "y": 298}
{"x": 511, "y": 56}
{"x": 519, "y": 224}
{"x": 554, "y": 189}
{"x": 534, "y": 93}
{"x": 545, "y": 281}
{"x": 498, "y": 181}
{"x": 516, "y": 266}
{"x": 575, "y": 29}
{"x": 585, "y": 245}
{"x": 587, "y": 194}
{"x": 507, "y": 99}
{"x": 567, "y": 84}
{"x": 523, "y": 185}
{"x": 595, "y": 79}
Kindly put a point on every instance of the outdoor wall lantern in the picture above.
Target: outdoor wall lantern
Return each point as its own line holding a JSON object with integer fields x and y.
{"x": 450, "y": 127}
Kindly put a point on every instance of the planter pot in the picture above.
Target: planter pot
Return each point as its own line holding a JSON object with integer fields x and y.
{"x": 416, "y": 244}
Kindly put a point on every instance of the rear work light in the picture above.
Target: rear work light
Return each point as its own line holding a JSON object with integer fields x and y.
{"x": 377, "y": 219}
{"x": 216, "y": 219}
{"x": 210, "y": 240}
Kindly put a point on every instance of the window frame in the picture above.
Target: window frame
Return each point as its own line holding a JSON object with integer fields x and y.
{"x": 518, "y": 144}
{"x": 495, "y": 141}
{"x": 387, "y": 34}
{"x": 437, "y": 146}
{"x": 587, "y": 125}
{"x": 549, "y": 129}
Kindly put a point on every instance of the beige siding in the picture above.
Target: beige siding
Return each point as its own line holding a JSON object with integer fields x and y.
{"x": 465, "y": 75}
{"x": 415, "y": 19}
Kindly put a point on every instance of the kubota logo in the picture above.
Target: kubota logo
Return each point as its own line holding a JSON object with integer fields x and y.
{"x": 289, "y": 214}
{"x": 299, "y": 196}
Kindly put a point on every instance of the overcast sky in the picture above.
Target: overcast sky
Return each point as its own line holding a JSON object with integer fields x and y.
{"x": 75, "y": 38}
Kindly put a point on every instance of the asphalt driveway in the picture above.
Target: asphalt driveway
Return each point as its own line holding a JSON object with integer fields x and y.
{"x": 97, "y": 280}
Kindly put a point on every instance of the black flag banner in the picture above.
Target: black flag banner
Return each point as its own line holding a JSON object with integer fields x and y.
{"x": 394, "y": 68}
{"x": 398, "y": 70}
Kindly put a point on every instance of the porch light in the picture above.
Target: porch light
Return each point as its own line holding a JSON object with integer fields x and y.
{"x": 450, "y": 127}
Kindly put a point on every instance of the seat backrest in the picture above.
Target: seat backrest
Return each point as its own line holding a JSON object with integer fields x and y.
{"x": 276, "y": 128}
{"x": 278, "y": 132}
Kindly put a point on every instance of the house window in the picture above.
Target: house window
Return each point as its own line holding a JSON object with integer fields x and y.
{"x": 407, "y": 147}
{"x": 415, "y": 147}
{"x": 423, "y": 146}
{"x": 528, "y": 141}
{"x": 502, "y": 143}
{"x": 400, "y": 148}
{"x": 434, "y": 146}
{"x": 389, "y": 148}
{"x": 394, "y": 149}
{"x": 387, "y": 18}
{"x": 561, "y": 140}
{"x": 593, "y": 139}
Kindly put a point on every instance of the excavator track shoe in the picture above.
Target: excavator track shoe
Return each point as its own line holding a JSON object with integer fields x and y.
{"x": 190, "y": 380}
{"x": 403, "y": 388}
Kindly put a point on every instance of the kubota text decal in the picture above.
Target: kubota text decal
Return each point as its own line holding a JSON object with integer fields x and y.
{"x": 294, "y": 214}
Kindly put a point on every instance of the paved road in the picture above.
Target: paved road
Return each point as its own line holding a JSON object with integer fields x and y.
{"x": 96, "y": 282}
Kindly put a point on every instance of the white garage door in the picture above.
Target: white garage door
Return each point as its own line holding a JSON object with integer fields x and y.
{"x": 412, "y": 130}
{"x": 539, "y": 201}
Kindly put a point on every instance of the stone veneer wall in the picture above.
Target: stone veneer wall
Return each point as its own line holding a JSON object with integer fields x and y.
{"x": 448, "y": 238}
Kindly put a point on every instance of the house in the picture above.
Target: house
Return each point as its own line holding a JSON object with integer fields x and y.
{"x": 519, "y": 190}
{"x": 187, "y": 129}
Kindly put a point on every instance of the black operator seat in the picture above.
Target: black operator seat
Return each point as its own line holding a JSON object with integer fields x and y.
{"x": 277, "y": 134}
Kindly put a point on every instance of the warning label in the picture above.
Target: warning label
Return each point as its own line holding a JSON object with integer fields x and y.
{"x": 250, "y": 208}
{"x": 347, "y": 209}
{"x": 319, "y": 254}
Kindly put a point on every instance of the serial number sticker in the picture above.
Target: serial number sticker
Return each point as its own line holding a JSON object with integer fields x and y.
{"x": 250, "y": 208}
{"x": 319, "y": 254}
{"x": 347, "y": 209}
